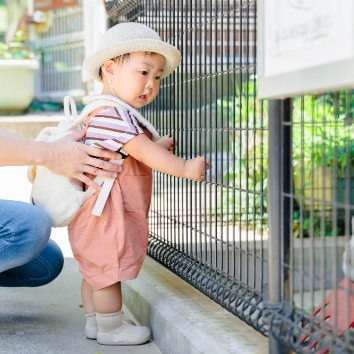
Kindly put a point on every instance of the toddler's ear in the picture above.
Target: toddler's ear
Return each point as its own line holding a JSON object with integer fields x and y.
{"x": 108, "y": 68}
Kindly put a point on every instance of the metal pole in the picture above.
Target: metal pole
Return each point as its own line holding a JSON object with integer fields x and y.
{"x": 278, "y": 161}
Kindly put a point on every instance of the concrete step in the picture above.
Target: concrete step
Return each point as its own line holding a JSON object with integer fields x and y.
{"x": 29, "y": 125}
{"x": 183, "y": 320}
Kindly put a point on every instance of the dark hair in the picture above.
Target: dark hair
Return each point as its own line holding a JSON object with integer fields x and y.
{"x": 120, "y": 60}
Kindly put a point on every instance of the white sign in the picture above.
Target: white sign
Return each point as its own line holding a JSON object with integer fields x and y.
{"x": 297, "y": 35}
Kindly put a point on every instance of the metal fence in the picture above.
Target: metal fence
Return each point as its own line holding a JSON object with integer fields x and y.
{"x": 61, "y": 46}
{"x": 310, "y": 304}
{"x": 264, "y": 235}
{"x": 260, "y": 236}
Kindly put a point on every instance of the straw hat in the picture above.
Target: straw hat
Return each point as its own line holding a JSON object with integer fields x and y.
{"x": 126, "y": 38}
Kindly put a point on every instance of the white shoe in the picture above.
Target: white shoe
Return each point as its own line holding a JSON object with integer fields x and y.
{"x": 125, "y": 334}
{"x": 91, "y": 332}
{"x": 91, "y": 326}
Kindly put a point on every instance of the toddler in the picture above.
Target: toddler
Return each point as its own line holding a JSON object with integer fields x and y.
{"x": 130, "y": 61}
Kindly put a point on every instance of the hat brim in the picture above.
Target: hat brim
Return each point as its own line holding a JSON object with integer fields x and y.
{"x": 171, "y": 54}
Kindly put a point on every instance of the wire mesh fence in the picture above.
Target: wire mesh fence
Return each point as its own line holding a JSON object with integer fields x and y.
{"x": 310, "y": 307}
{"x": 61, "y": 46}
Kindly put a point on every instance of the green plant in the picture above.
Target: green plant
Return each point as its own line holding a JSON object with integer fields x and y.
{"x": 323, "y": 155}
{"x": 312, "y": 226}
{"x": 321, "y": 142}
{"x": 244, "y": 199}
{"x": 17, "y": 49}
{"x": 321, "y": 136}
{"x": 341, "y": 156}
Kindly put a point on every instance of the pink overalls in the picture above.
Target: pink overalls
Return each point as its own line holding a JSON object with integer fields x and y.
{"x": 112, "y": 247}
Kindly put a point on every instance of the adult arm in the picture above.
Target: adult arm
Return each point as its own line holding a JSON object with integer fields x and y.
{"x": 65, "y": 156}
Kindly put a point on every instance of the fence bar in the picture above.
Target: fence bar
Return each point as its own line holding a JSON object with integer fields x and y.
{"x": 279, "y": 113}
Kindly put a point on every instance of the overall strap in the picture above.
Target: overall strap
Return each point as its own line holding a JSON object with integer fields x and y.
{"x": 106, "y": 183}
{"x": 93, "y": 114}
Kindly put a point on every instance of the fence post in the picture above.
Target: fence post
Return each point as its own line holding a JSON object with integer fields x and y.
{"x": 279, "y": 182}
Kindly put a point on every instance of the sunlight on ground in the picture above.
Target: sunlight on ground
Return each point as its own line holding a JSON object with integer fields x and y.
{"x": 15, "y": 186}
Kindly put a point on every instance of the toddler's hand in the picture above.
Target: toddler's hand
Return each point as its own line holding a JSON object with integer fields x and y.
{"x": 168, "y": 142}
{"x": 195, "y": 169}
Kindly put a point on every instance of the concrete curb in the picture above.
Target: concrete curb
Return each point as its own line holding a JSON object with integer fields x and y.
{"x": 183, "y": 320}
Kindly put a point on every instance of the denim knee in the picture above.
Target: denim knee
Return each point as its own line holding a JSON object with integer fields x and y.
{"x": 24, "y": 232}
{"x": 45, "y": 267}
{"x": 41, "y": 270}
{"x": 27, "y": 256}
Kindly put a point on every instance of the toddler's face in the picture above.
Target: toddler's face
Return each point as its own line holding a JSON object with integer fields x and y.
{"x": 136, "y": 80}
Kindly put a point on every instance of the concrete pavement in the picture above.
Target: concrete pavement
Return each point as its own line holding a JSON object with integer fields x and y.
{"x": 48, "y": 319}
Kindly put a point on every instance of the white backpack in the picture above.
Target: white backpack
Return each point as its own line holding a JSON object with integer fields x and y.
{"x": 60, "y": 196}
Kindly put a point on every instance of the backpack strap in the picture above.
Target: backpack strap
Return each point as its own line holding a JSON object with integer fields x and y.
{"x": 106, "y": 183}
{"x": 106, "y": 186}
{"x": 69, "y": 107}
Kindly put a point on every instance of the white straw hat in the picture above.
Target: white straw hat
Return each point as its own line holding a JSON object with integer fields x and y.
{"x": 130, "y": 37}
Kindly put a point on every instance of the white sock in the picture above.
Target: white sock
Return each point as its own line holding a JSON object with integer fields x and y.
{"x": 109, "y": 322}
{"x": 112, "y": 330}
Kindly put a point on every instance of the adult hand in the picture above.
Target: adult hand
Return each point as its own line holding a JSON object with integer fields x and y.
{"x": 75, "y": 159}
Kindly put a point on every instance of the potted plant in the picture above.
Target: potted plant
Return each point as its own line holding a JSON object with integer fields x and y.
{"x": 17, "y": 65}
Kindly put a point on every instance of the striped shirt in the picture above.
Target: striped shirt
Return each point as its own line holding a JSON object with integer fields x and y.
{"x": 112, "y": 128}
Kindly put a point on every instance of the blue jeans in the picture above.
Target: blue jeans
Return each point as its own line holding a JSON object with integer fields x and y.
{"x": 27, "y": 256}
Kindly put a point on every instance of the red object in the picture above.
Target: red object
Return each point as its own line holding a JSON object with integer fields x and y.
{"x": 337, "y": 311}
